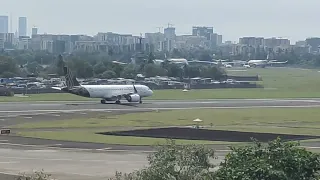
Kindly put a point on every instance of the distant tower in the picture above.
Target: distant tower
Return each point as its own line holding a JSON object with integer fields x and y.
{"x": 34, "y": 31}
{"x": 22, "y": 26}
{"x": 4, "y": 24}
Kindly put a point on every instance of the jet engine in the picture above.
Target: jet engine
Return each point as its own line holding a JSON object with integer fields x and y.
{"x": 133, "y": 98}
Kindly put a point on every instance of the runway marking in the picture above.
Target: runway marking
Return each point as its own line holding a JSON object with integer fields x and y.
{"x": 2, "y": 119}
{"x": 4, "y": 140}
{"x": 103, "y": 149}
{"x": 28, "y": 117}
{"x": 162, "y": 108}
{"x": 12, "y": 116}
{"x": 80, "y": 174}
{"x": 32, "y": 114}
{"x": 92, "y": 160}
{"x": 57, "y": 115}
{"x": 308, "y": 147}
{"x": 34, "y": 158}
{"x": 9, "y": 162}
{"x": 42, "y": 150}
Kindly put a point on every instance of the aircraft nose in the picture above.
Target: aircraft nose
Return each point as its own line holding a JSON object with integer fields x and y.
{"x": 151, "y": 92}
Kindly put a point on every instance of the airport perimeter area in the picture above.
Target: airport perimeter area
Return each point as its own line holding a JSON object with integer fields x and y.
{"x": 76, "y": 138}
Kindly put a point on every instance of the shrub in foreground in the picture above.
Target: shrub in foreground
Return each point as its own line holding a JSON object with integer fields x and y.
{"x": 276, "y": 160}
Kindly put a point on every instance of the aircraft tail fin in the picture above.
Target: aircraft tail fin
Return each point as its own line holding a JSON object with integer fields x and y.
{"x": 71, "y": 80}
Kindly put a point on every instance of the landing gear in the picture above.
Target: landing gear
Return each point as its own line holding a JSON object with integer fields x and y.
{"x": 118, "y": 100}
{"x": 103, "y": 101}
{"x": 140, "y": 100}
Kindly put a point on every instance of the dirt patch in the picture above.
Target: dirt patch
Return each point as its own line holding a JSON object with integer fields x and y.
{"x": 205, "y": 134}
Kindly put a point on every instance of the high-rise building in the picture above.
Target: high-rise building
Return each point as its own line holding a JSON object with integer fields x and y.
{"x": 170, "y": 33}
{"x": 274, "y": 42}
{"x": 202, "y": 31}
{"x": 34, "y": 31}
{"x": 252, "y": 41}
{"x": 22, "y": 26}
{"x": 219, "y": 41}
{"x": 4, "y": 24}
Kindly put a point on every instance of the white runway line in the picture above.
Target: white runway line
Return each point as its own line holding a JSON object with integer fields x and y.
{"x": 28, "y": 117}
{"x": 103, "y": 149}
{"x": 161, "y": 108}
{"x": 9, "y": 162}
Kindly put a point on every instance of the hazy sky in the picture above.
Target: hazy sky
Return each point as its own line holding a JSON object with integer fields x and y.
{"x": 294, "y": 19}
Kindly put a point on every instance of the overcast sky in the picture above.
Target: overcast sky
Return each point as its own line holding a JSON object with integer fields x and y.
{"x": 294, "y": 19}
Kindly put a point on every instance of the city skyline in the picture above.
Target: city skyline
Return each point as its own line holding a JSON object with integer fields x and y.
{"x": 229, "y": 18}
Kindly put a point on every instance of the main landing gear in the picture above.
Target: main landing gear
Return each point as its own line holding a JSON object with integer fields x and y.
{"x": 103, "y": 101}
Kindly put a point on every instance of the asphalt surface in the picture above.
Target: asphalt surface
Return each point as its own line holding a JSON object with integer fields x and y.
{"x": 34, "y": 107}
{"x": 93, "y": 161}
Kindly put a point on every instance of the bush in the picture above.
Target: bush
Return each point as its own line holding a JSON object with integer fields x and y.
{"x": 275, "y": 160}
{"x": 38, "y": 175}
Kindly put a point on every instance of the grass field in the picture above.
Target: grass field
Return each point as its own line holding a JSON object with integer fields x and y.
{"x": 278, "y": 83}
{"x": 303, "y": 121}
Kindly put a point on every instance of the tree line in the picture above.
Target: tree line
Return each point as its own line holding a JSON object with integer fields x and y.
{"x": 98, "y": 64}
{"x": 275, "y": 160}
{"x": 103, "y": 67}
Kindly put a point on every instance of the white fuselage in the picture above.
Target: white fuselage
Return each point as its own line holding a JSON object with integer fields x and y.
{"x": 109, "y": 91}
{"x": 258, "y": 62}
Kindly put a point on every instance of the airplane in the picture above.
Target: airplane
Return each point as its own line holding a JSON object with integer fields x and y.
{"x": 132, "y": 93}
{"x": 258, "y": 63}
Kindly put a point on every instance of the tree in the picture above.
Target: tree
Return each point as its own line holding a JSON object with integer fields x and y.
{"x": 129, "y": 71}
{"x": 151, "y": 58}
{"x": 82, "y": 68}
{"x": 117, "y": 68}
{"x": 275, "y": 161}
{"x": 99, "y": 68}
{"x": 212, "y": 72}
{"x": 174, "y": 162}
{"x": 174, "y": 70}
{"x": 34, "y": 67}
{"x": 8, "y": 64}
{"x": 108, "y": 74}
{"x": 7, "y": 74}
{"x": 151, "y": 70}
{"x": 191, "y": 71}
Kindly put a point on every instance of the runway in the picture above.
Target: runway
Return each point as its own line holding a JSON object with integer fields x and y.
{"x": 75, "y": 160}
{"x": 73, "y": 106}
